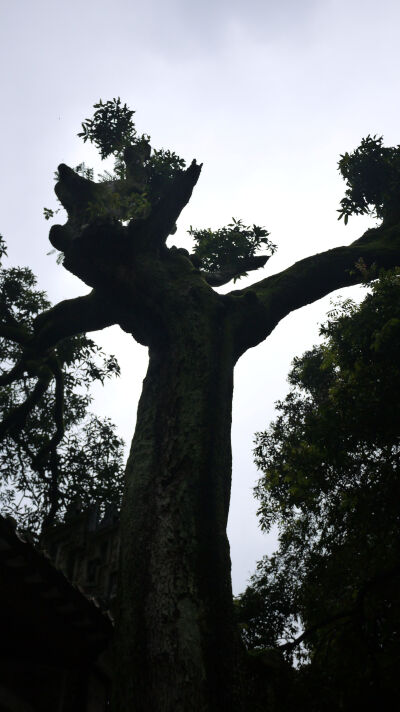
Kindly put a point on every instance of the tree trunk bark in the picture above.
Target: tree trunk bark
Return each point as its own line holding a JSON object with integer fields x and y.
{"x": 177, "y": 646}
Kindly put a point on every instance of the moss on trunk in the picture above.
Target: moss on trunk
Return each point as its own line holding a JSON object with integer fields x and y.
{"x": 176, "y": 643}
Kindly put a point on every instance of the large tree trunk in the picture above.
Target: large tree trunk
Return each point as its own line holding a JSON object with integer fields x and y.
{"x": 177, "y": 647}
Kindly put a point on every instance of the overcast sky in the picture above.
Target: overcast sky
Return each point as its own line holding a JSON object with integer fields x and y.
{"x": 265, "y": 94}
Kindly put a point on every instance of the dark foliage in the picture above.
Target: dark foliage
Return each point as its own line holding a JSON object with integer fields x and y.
{"x": 60, "y": 451}
{"x": 111, "y": 127}
{"x": 330, "y": 465}
{"x": 150, "y": 172}
{"x": 372, "y": 175}
{"x": 230, "y": 245}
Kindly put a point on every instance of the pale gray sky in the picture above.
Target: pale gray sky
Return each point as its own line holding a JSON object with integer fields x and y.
{"x": 266, "y": 94}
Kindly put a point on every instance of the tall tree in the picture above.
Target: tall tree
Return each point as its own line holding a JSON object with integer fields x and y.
{"x": 53, "y": 451}
{"x": 330, "y": 479}
{"x": 176, "y": 641}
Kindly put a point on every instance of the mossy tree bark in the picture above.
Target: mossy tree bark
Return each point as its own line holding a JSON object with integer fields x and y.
{"x": 176, "y": 646}
{"x": 177, "y": 641}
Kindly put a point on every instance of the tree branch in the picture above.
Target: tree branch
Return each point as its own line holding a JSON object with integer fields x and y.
{"x": 155, "y": 229}
{"x": 17, "y": 416}
{"x": 312, "y": 629}
{"x": 13, "y": 374}
{"x": 265, "y": 303}
{"x": 70, "y": 317}
{"x": 379, "y": 578}
{"x": 15, "y": 333}
{"x": 54, "y": 493}
{"x": 217, "y": 279}
{"x": 73, "y": 316}
{"x": 54, "y": 441}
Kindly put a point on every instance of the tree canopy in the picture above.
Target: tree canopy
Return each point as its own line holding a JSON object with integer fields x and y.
{"x": 140, "y": 179}
{"x": 372, "y": 174}
{"x": 330, "y": 480}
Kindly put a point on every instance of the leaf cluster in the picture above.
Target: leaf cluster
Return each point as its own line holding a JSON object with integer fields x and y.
{"x": 231, "y": 245}
{"x": 111, "y": 128}
{"x": 140, "y": 175}
{"x": 372, "y": 175}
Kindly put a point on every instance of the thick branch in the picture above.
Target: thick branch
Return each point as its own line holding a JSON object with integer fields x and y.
{"x": 217, "y": 279}
{"x": 71, "y": 317}
{"x": 15, "y": 333}
{"x": 13, "y": 374}
{"x": 265, "y": 303}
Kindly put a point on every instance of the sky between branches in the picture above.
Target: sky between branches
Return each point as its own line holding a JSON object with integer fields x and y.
{"x": 265, "y": 94}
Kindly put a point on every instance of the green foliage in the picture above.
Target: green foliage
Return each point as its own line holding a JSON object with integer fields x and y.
{"x": 84, "y": 171}
{"x": 372, "y": 175}
{"x": 90, "y": 454}
{"x": 230, "y": 245}
{"x": 129, "y": 206}
{"x": 330, "y": 464}
{"x": 112, "y": 131}
{"x": 139, "y": 180}
{"x": 162, "y": 165}
{"x": 111, "y": 127}
{"x": 267, "y": 621}
{"x": 140, "y": 175}
{"x": 151, "y": 171}
{"x": 49, "y": 213}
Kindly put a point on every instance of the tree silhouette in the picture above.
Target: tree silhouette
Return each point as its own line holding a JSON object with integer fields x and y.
{"x": 176, "y": 641}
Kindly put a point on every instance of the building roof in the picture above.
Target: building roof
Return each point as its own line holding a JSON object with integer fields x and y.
{"x": 41, "y": 612}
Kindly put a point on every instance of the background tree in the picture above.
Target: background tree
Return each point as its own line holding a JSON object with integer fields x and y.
{"x": 330, "y": 464}
{"x": 176, "y": 641}
{"x": 53, "y": 450}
